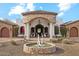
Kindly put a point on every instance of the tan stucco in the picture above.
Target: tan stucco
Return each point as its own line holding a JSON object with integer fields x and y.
{"x": 30, "y": 17}
{"x": 2, "y": 25}
{"x": 10, "y": 26}
{"x": 69, "y": 26}
{"x": 34, "y": 18}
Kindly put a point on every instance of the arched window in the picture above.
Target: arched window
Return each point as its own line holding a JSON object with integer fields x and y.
{"x": 22, "y": 30}
{"x": 32, "y": 30}
{"x": 46, "y": 29}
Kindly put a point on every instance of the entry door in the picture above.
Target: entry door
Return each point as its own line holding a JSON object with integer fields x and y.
{"x": 5, "y": 32}
{"x": 73, "y": 32}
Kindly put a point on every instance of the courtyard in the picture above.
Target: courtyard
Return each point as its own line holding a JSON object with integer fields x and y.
{"x": 7, "y": 48}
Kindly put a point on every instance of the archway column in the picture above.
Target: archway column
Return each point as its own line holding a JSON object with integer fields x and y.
{"x": 51, "y": 30}
{"x": 19, "y": 30}
{"x": 59, "y": 30}
{"x": 53, "y": 33}
{"x": 27, "y": 30}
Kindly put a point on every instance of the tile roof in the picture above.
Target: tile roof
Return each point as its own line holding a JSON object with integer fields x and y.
{"x": 38, "y": 12}
{"x": 70, "y": 22}
{"x": 8, "y": 22}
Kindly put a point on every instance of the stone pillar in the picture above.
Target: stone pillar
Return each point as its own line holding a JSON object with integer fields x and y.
{"x": 27, "y": 30}
{"x": 59, "y": 30}
{"x": 19, "y": 30}
{"x": 53, "y": 33}
{"x": 50, "y": 31}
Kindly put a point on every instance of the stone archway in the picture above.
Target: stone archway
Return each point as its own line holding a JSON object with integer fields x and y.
{"x": 73, "y": 32}
{"x": 22, "y": 30}
{"x": 46, "y": 31}
{"x": 39, "y": 29}
{"x": 5, "y": 32}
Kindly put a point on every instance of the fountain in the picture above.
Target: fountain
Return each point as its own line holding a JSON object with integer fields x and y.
{"x": 39, "y": 47}
{"x": 38, "y": 42}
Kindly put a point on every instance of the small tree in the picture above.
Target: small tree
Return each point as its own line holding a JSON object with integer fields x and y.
{"x": 63, "y": 31}
{"x": 15, "y": 31}
{"x": 56, "y": 30}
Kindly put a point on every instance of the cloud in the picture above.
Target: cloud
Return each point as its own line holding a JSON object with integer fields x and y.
{"x": 30, "y": 7}
{"x": 1, "y": 18}
{"x": 41, "y": 8}
{"x": 13, "y": 20}
{"x": 60, "y": 14}
{"x": 59, "y": 21}
{"x": 21, "y": 8}
{"x": 63, "y": 7}
{"x": 17, "y": 9}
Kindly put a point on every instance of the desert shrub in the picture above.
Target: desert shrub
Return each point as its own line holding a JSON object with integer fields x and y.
{"x": 58, "y": 40}
{"x": 13, "y": 43}
{"x": 2, "y": 45}
{"x": 55, "y": 41}
{"x": 68, "y": 42}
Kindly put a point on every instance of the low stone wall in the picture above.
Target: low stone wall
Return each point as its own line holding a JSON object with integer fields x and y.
{"x": 39, "y": 50}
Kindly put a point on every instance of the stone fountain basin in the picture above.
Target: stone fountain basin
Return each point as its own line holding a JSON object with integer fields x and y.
{"x": 32, "y": 48}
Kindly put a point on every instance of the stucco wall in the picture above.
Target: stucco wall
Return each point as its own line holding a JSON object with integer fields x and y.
{"x": 69, "y": 26}
{"x": 30, "y": 17}
{"x": 2, "y": 24}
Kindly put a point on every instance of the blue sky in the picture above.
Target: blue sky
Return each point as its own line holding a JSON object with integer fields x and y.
{"x": 66, "y": 11}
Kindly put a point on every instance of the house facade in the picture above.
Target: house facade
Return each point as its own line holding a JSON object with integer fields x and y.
{"x": 39, "y": 23}
{"x": 7, "y": 29}
{"x": 72, "y": 28}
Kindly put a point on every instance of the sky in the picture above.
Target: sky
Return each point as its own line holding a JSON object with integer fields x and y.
{"x": 66, "y": 11}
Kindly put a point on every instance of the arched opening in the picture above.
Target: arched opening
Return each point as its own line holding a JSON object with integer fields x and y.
{"x": 46, "y": 31}
{"x": 73, "y": 32}
{"x": 32, "y": 32}
{"x": 22, "y": 30}
{"x": 39, "y": 29}
{"x": 56, "y": 30}
{"x": 39, "y": 18}
{"x": 5, "y": 32}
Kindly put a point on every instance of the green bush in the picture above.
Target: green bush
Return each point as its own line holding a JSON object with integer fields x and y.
{"x": 63, "y": 31}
